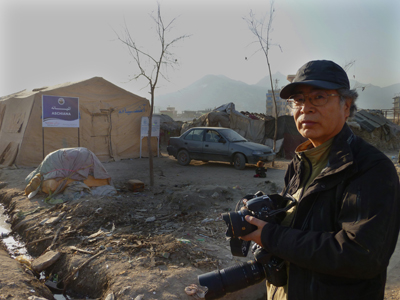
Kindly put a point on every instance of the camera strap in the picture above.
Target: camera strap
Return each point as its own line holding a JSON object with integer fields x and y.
{"x": 239, "y": 247}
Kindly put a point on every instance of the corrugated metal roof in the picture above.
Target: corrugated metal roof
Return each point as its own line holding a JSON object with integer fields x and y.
{"x": 380, "y": 119}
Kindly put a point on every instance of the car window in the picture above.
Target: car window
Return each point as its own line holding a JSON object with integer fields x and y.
{"x": 212, "y": 136}
{"x": 195, "y": 135}
{"x": 233, "y": 136}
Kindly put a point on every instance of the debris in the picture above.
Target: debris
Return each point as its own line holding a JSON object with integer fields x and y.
{"x": 207, "y": 220}
{"x": 150, "y": 219}
{"x": 135, "y": 185}
{"x": 55, "y": 238}
{"x": 123, "y": 290}
{"x": 104, "y": 190}
{"x": 193, "y": 289}
{"x": 53, "y": 286}
{"x": 80, "y": 250}
{"x": 110, "y": 296}
{"x": 44, "y": 261}
{"x": 94, "y": 235}
{"x": 54, "y": 220}
{"x": 23, "y": 259}
{"x": 215, "y": 195}
{"x": 72, "y": 275}
{"x": 183, "y": 241}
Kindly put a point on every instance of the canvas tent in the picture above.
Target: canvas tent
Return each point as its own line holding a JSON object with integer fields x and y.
{"x": 109, "y": 123}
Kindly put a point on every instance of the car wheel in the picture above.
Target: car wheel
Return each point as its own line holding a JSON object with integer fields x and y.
{"x": 183, "y": 158}
{"x": 239, "y": 162}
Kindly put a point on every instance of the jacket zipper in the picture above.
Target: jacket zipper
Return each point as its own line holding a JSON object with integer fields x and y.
{"x": 309, "y": 173}
{"x": 273, "y": 295}
{"x": 358, "y": 200}
{"x": 306, "y": 219}
{"x": 302, "y": 192}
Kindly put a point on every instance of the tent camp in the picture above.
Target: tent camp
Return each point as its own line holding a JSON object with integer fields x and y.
{"x": 109, "y": 123}
{"x": 255, "y": 129}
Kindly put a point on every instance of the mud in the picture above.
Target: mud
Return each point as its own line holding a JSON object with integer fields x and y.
{"x": 135, "y": 245}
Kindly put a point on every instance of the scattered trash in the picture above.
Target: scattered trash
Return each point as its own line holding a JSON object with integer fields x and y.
{"x": 95, "y": 235}
{"x": 215, "y": 195}
{"x": 54, "y": 220}
{"x": 150, "y": 219}
{"x": 110, "y": 296}
{"x": 104, "y": 190}
{"x": 23, "y": 259}
{"x": 207, "y": 220}
{"x": 76, "y": 275}
{"x": 183, "y": 241}
{"x": 53, "y": 286}
{"x": 123, "y": 290}
{"x": 194, "y": 289}
{"x": 135, "y": 185}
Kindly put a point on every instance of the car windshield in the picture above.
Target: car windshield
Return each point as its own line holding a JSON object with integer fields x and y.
{"x": 232, "y": 136}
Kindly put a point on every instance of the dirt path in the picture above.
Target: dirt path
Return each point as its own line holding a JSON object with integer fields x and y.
{"x": 152, "y": 243}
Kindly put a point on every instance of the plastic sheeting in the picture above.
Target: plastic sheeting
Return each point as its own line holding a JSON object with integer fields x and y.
{"x": 70, "y": 163}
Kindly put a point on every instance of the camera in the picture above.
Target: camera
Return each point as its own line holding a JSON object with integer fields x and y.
{"x": 269, "y": 208}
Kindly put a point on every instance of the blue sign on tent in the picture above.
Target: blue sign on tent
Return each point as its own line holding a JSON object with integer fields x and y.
{"x": 60, "y": 111}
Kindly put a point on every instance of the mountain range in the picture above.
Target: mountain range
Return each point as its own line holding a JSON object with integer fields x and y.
{"x": 212, "y": 91}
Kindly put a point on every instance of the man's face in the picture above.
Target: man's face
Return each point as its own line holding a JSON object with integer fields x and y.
{"x": 320, "y": 123}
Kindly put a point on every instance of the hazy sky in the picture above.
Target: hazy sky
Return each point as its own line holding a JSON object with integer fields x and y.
{"x": 45, "y": 43}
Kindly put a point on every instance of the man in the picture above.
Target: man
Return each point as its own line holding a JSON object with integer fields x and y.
{"x": 338, "y": 240}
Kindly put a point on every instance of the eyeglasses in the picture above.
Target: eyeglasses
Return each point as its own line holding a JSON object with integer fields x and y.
{"x": 317, "y": 98}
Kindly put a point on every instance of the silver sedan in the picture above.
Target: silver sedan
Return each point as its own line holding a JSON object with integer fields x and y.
{"x": 217, "y": 144}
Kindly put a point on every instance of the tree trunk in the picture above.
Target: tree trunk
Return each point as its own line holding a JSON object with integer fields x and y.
{"x": 151, "y": 171}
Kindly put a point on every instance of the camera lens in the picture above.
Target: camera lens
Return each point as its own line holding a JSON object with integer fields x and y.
{"x": 237, "y": 225}
{"x": 231, "y": 279}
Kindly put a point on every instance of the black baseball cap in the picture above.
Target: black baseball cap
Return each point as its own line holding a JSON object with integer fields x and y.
{"x": 324, "y": 74}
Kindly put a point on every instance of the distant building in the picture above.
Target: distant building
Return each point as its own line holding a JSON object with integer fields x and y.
{"x": 170, "y": 111}
{"x": 282, "y": 107}
{"x": 189, "y": 114}
{"x": 396, "y": 109}
{"x": 396, "y": 103}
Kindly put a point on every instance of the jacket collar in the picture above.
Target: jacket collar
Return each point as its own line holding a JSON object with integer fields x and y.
{"x": 341, "y": 155}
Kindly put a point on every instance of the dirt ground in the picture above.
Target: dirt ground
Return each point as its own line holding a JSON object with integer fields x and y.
{"x": 136, "y": 245}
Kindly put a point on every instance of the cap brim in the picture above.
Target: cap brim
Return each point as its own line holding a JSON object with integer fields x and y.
{"x": 288, "y": 90}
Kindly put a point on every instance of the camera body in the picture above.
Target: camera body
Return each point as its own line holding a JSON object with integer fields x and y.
{"x": 269, "y": 208}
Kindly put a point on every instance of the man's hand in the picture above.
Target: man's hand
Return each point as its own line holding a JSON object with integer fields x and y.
{"x": 255, "y": 236}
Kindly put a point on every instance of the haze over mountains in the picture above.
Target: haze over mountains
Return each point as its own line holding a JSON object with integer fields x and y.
{"x": 212, "y": 91}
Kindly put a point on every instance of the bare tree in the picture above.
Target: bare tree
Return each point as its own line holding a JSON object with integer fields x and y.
{"x": 151, "y": 66}
{"x": 262, "y": 31}
{"x": 357, "y": 85}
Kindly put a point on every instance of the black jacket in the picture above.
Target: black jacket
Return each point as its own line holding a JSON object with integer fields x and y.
{"x": 345, "y": 227}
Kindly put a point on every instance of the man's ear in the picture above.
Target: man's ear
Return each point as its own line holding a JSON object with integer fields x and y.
{"x": 347, "y": 106}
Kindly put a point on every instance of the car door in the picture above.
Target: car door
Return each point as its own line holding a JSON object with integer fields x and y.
{"x": 215, "y": 147}
{"x": 193, "y": 142}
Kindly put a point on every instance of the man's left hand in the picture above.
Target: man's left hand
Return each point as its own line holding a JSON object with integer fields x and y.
{"x": 255, "y": 236}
